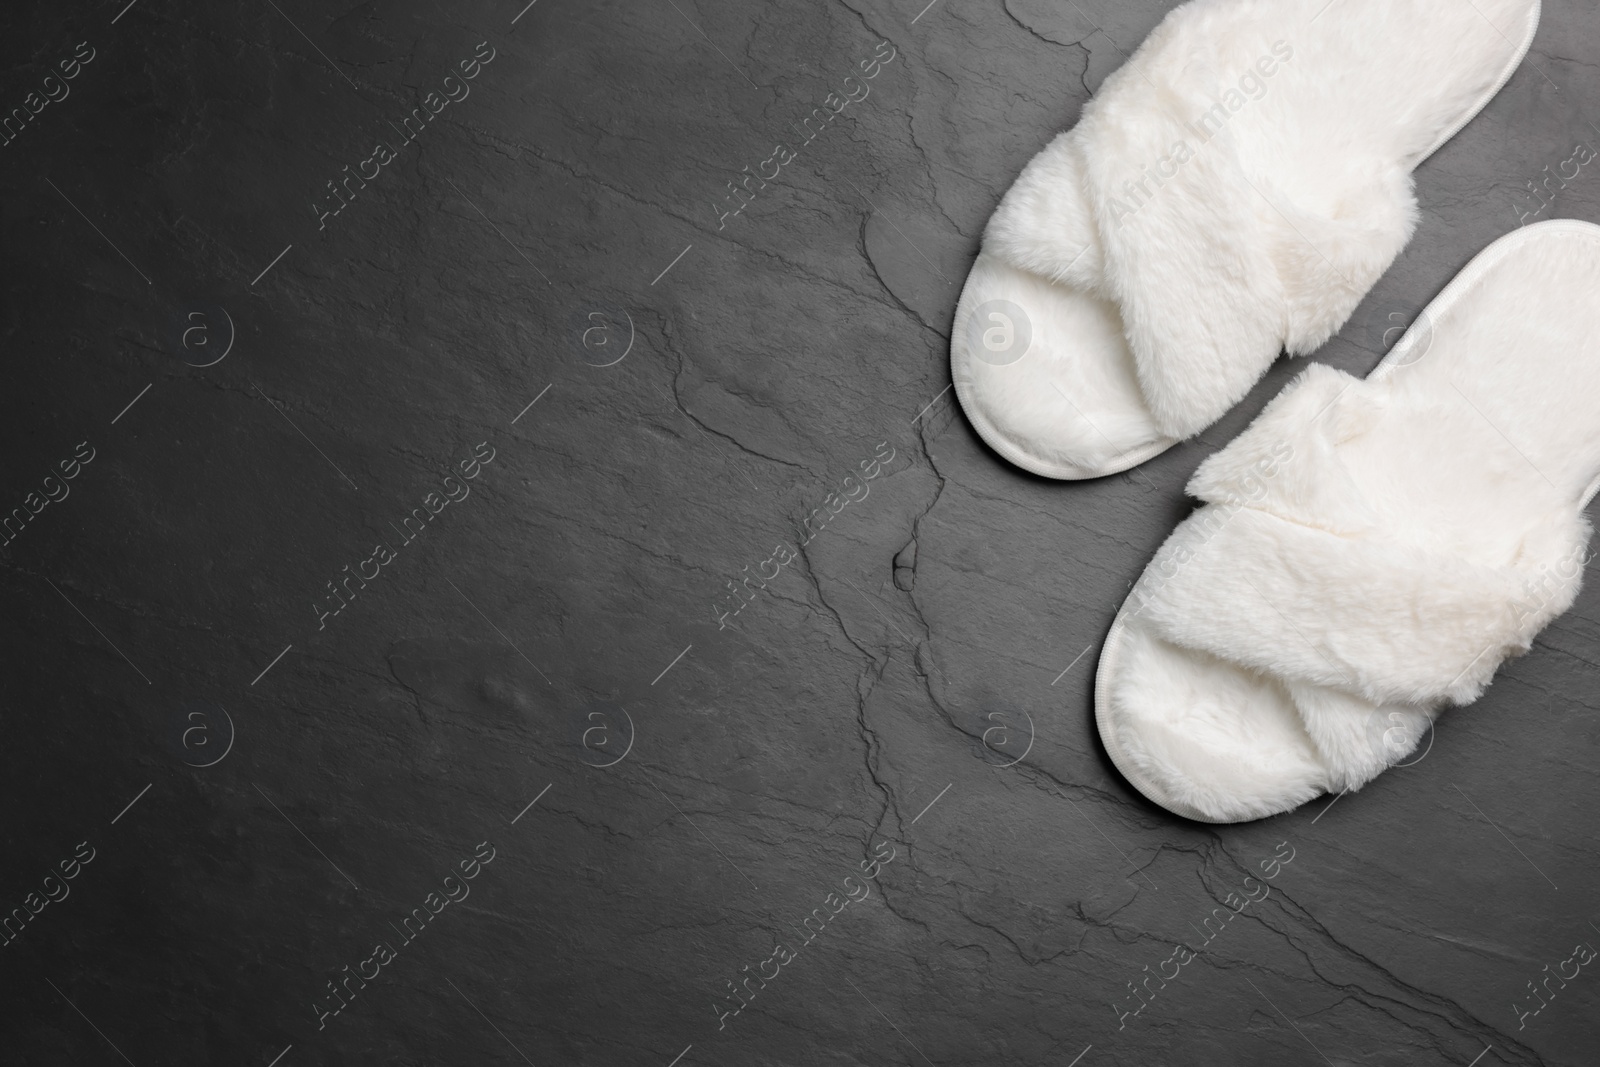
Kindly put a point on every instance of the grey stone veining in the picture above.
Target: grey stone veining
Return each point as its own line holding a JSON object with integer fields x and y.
{"x": 542, "y": 667}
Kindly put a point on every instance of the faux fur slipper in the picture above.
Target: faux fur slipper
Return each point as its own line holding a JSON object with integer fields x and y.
{"x": 1233, "y": 191}
{"x": 1370, "y": 550}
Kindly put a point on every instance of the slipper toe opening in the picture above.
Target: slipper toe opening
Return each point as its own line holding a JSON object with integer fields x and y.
{"x": 1202, "y": 737}
{"x": 1044, "y": 374}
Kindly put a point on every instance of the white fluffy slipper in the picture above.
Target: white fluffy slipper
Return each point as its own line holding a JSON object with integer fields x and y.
{"x": 1233, "y": 191}
{"x": 1370, "y": 550}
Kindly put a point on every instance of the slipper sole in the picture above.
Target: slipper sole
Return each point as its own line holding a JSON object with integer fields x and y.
{"x": 1410, "y": 348}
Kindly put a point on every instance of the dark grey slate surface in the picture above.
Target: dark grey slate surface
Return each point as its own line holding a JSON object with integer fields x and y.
{"x": 552, "y": 638}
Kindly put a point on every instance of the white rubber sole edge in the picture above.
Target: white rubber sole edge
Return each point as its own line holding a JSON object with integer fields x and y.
{"x": 1064, "y": 472}
{"x": 1434, "y": 312}
{"x": 1128, "y": 460}
{"x": 1522, "y": 53}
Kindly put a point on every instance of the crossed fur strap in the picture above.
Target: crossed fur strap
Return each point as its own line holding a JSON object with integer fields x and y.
{"x": 1221, "y": 246}
{"x": 1298, "y": 572}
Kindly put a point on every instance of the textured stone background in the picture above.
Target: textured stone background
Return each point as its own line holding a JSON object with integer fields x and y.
{"x": 563, "y": 616}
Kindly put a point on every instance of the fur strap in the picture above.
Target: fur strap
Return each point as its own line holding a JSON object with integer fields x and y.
{"x": 1222, "y": 238}
{"x": 1362, "y": 586}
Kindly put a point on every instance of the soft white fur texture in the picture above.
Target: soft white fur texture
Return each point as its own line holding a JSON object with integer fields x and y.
{"x": 1370, "y": 551}
{"x": 1150, "y": 325}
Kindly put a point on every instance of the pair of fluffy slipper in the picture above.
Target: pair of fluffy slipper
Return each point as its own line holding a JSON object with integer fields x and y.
{"x": 1369, "y": 550}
